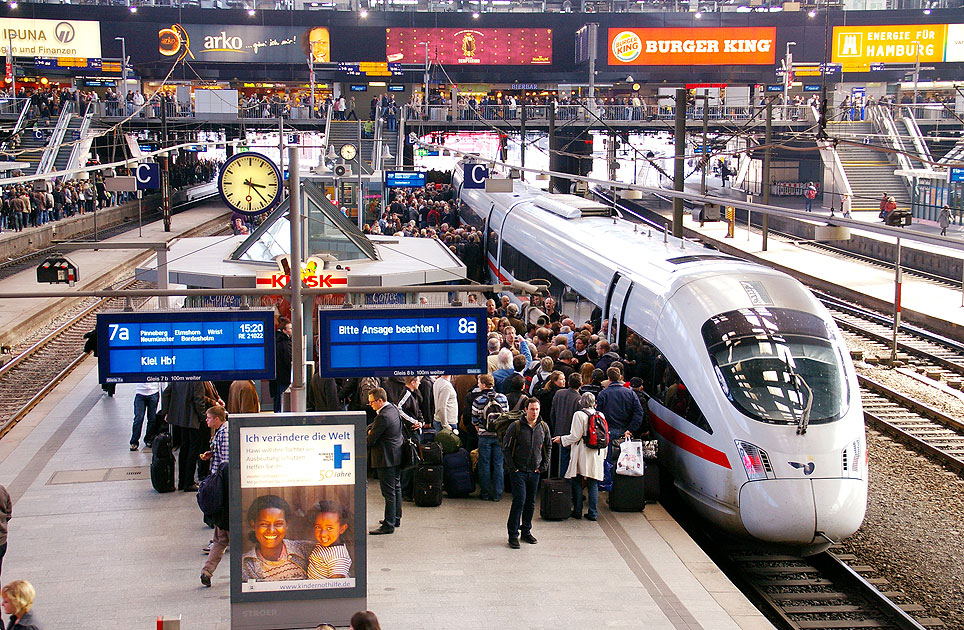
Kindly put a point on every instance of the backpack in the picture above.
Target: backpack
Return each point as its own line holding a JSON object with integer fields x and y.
{"x": 597, "y": 432}
{"x": 212, "y": 495}
{"x": 811, "y": 193}
{"x": 491, "y": 413}
{"x": 540, "y": 383}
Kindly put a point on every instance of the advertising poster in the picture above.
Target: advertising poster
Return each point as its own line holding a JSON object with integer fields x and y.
{"x": 856, "y": 47}
{"x": 692, "y": 46}
{"x": 245, "y": 44}
{"x": 470, "y": 46}
{"x": 955, "y": 43}
{"x": 50, "y": 38}
{"x": 298, "y": 519}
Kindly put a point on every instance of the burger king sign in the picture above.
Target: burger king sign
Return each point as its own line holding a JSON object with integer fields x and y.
{"x": 626, "y": 46}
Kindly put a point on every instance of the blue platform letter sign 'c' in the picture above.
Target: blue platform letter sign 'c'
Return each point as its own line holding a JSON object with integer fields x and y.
{"x": 475, "y": 175}
{"x": 148, "y": 176}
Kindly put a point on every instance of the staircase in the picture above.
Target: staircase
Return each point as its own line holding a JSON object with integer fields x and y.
{"x": 869, "y": 173}
{"x": 342, "y": 132}
{"x": 31, "y": 146}
{"x": 62, "y": 160}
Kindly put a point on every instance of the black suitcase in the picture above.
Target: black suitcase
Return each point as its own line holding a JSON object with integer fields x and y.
{"x": 651, "y": 468}
{"x": 162, "y": 464}
{"x": 457, "y": 474}
{"x": 555, "y": 502}
{"x": 628, "y": 494}
{"x": 431, "y": 453}
{"x": 427, "y": 486}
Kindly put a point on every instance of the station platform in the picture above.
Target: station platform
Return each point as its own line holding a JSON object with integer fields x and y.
{"x": 102, "y": 547}
{"x": 98, "y": 269}
{"x": 927, "y": 302}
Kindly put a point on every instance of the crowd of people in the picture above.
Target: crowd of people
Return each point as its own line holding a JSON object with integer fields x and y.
{"x": 23, "y": 206}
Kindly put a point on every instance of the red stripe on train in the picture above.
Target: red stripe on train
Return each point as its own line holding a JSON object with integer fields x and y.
{"x": 687, "y": 443}
{"x": 496, "y": 271}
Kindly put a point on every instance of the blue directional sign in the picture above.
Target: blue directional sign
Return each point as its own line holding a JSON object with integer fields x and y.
{"x": 402, "y": 341}
{"x": 955, "y": 174}
{"x": 475, "y": 176}
{"x": 185, "y": 346}
{"x": 148, "y": 176}
{"x": 404, "y": 179}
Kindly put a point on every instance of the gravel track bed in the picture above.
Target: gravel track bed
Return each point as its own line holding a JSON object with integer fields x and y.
{"x": 913, "y": 533}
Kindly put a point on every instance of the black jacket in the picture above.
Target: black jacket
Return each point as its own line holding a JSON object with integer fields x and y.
{"x": 183, "y": 403}
{"x": 323, "y": 394}
{"x": 282, "y": 360}
{"x": 385, "y": 438}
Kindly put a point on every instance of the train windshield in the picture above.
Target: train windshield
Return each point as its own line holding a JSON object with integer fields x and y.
{"x": 778, "y": 365}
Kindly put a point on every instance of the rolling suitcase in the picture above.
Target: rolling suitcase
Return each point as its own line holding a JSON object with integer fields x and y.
{"x": 427, "y": 490}
{"x": 431, "y": 453}
{"x": 457, "y": 474}
{"x": 162, "y": 464}
{"x": 628, "y": 494}
{"x": 555, "y": 501}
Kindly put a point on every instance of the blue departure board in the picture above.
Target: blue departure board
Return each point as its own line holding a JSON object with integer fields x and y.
{"x": 214, "y": 345}
{"x": 402, "y": 342}
{"x": 404, "y": 179}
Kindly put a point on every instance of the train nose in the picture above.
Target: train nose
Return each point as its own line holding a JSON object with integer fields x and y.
{"x": 794, "y": 510}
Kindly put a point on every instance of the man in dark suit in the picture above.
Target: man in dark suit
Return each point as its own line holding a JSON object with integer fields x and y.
{"x": 385, "y": 446}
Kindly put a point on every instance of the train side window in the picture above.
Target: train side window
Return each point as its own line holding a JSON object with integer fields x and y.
{"x": 469, "y": 218}
{"x": 660, "y": 380}
{"x": 493, "y": 244}
{"x": 511, "y": 261}
{"x": 676, "y": 397}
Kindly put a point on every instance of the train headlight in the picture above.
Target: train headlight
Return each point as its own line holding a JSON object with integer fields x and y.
{"x": 853, "y": 460}
{"x": 755, "y": 460}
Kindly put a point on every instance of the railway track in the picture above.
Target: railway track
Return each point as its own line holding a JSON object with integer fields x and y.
{"x": 923, "y": 349}
{"x": 829, "y": 590}
{"x": 29, "y": 260}
{"x": 913, "y": 423}
{"x": 40, "y": 367}
{"x": 821, "y": 591}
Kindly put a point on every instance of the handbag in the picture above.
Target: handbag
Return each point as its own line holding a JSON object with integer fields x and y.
{"x": 410, "y": 454}
{"x": 630, "y": 460}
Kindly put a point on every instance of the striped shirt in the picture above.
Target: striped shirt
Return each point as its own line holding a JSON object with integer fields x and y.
{"x": 327, "y": 562}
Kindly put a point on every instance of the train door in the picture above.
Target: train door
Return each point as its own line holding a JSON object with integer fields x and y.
{"x": 615, "y": 308}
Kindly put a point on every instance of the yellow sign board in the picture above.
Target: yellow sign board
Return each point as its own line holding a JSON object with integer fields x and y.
{"x": 856, "y": 47}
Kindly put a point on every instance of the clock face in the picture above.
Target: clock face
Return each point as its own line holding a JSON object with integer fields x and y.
{"x": 250, "y": 183}
{"x": 348, "y": 151}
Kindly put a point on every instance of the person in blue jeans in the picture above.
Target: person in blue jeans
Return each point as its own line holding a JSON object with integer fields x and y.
{"x": 526, "y": 444}
{"x": 146, "y": 398}
{"x": 489, "y": 403}
{"x": 586, "y": 464}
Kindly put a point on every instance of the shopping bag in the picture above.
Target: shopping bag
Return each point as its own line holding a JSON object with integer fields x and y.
{"x": 630, "y": 460}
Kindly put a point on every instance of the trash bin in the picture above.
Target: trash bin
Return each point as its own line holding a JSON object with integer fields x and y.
{"x": 899, "y": 218}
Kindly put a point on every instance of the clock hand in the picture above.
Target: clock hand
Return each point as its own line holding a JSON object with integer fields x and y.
{"x": 260, "y": 195}
{"x": 251, "y": 183}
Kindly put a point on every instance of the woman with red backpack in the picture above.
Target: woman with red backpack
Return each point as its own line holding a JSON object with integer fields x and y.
{"x": 586, "y": 462}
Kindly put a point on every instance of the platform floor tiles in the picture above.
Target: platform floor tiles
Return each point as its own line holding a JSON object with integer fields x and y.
{"x": 115, "y": 554}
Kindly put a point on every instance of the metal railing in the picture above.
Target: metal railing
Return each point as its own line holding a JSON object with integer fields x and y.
{"x": 56, "y": 138}
{"x": 926, "y": 111}
{"x": 82, "y": 145}
{"x": 606, "y": 112}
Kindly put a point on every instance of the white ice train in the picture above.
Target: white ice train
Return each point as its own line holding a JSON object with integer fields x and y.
{"x": 772, "y": 444}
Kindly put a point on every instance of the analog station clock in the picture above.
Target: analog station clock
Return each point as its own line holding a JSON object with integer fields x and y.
{"x": 250, "y": 183}
{"x": 348, "y": 152}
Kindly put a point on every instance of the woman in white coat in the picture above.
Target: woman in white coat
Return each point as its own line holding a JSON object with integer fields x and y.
{"x": 585, "y": 463}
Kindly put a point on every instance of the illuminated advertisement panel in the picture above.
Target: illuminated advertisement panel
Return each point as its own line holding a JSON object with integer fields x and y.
{"x": 298, "y": 518}
{"x": 470, "y": 46}
{"x": 860, "y": 46}
{"x": 691, "y": 46}
{"x": 234, "y": 43}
